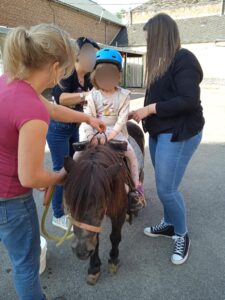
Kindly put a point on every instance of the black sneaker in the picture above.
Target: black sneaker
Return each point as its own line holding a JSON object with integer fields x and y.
{"x": 161, "y": 229}
{"x": 181, "y": 248}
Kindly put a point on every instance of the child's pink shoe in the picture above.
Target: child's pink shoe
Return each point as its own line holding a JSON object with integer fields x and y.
{"x": 137, "y": 199}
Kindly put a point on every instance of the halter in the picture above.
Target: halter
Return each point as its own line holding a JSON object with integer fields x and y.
{"x": 92, "y": 228}
{"x": 96, "y": 229}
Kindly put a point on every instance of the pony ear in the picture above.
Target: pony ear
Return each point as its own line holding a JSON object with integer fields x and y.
{"x": 69, "y": 163}
{"x": 114, "y": 170}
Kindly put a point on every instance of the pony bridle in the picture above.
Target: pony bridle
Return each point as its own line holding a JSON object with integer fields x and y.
{"x": 92, "y": 228}
{"x": 95, "y": 229}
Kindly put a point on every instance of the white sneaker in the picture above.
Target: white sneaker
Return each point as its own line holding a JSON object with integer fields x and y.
{"x": 62, "y": 222}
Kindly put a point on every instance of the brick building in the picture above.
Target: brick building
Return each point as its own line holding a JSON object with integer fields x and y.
{"x": 84, "y": 18}
{"x": 79, "y": 18}
{"x": 88, "y": 19}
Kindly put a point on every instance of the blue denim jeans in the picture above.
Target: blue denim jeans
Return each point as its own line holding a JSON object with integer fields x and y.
{"x": 60, "y": 138}
{"x": 19, "y": 232}
{"x": 170, "y": 160}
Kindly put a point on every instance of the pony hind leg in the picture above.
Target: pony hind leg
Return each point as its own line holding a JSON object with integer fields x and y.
{"x": 94, "y": 266}
{"x": 115, "y": 237}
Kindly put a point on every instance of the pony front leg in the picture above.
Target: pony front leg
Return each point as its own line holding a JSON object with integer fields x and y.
{"x": 94, "y": 267}
{"x": 115, "y": 237}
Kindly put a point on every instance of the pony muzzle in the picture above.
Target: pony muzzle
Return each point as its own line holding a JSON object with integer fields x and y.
{"x": 83, "y": 250}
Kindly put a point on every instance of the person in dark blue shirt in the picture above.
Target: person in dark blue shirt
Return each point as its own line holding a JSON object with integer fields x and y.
{"x": 71, "y": 92}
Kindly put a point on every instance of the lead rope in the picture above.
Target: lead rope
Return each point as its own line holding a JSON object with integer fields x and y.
{"x": 59, "y": 239}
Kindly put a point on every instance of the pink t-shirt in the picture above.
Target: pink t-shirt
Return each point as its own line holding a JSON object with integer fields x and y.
{"x": 19, "y": 103}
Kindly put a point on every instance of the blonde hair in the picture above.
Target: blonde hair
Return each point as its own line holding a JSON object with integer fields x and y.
{"x": 32, "y": 49}
{"x": 163, "y": 41}
{"x": 101, "y": 66}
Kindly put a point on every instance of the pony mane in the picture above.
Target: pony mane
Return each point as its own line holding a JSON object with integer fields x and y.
{"x": 89, "y": 184}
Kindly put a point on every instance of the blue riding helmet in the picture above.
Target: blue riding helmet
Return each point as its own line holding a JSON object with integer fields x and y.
{"x": 111, "y": 56}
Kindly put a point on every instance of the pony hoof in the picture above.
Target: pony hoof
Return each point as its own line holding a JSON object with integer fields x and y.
{"x": 93, "y": 278}
{"x": 113, "y": 268}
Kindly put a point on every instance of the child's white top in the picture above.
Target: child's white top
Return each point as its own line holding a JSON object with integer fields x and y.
{"x": 112, "y": 110}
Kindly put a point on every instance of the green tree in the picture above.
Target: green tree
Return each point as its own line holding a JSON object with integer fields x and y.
{"x": 121, "y": 13}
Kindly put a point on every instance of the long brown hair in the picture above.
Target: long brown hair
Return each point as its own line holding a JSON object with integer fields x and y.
{"x": 163, "y": 41}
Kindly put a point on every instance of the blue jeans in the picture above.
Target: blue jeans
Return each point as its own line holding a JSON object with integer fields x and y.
{"x": 19, "y": 232}
{"x": 60, "y": 138}
{"x": 170, "y": 160}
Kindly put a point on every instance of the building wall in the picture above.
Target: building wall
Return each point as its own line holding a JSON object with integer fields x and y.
{"x": 178, "y": 12}
{"x": 210, "y": 55}
{"x": 30, "y": 12}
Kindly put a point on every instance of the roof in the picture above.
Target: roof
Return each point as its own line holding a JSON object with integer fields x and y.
{"x": 92, "y": 8}
{"x": 4, "y": 30}
{"x": 192, "y": 31}
{"x": 126, "y": 50}
{"x": 156, "y": 5}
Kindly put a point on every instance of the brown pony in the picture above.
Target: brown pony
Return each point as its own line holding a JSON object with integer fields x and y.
{"x": 95, "y": 187}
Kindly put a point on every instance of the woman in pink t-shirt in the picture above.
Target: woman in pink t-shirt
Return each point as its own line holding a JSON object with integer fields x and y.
{"x": 34, "y": 60}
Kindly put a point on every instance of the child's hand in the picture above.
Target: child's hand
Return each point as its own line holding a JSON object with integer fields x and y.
{"x": 102, "y": 140}
{"x": 93, "y": 140}
{"x": 112, "y": 135}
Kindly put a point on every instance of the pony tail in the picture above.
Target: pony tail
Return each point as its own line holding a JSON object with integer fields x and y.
{"x": 16, "y": 52}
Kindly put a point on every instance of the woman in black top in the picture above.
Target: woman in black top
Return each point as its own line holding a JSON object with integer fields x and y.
{"x": 172, "y": 115}
{"x": 71, "y": 93}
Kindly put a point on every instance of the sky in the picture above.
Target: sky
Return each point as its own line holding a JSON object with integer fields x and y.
{"x": 115, "y": 5}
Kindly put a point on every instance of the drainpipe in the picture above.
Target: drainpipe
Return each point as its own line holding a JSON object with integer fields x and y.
{"x": 222, "y": 7}
{"x": 131, "y": 17}
{"x": 105, "y": 32}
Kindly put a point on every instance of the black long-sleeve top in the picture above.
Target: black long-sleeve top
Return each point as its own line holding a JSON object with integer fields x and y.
{"x": 72, "y": 85}
{"x": 177, "y": 98}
